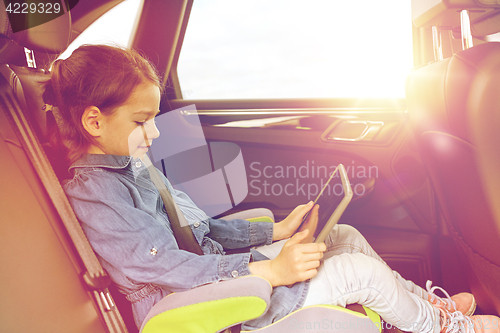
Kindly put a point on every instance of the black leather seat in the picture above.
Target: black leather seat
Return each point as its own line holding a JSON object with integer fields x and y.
{"x": 442, "y": 113}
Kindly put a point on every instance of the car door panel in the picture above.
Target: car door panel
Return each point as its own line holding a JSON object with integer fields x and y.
{"x": 288, "y": 157}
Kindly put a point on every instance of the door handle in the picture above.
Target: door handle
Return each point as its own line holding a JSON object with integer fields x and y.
{"x": 354, "y": 130}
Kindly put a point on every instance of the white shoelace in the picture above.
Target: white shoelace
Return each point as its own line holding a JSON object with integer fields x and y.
{"x": 449, "y": 303}
{"x": 456, "y": 322}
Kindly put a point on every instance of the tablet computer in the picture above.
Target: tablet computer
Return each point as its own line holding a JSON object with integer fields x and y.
{"x": 328, "y": 195}
{"x": 337, "y": 213}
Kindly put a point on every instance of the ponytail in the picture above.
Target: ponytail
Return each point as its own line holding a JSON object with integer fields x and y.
{"x": 53, "y": 131}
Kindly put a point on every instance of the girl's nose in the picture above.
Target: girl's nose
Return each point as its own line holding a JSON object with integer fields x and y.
{"x": 152, "y": 131}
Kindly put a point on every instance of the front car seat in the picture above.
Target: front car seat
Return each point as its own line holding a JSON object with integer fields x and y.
{"x": 438, "y": 96}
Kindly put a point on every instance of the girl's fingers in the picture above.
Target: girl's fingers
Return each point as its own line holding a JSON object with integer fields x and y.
{"x": 303, "y": 209}
{"x": 297, "y": 238}
{"x": 309, "y": 274}
{"x": 313, "y": 264}
{"x": 314, "y": 213}
{"x": 312, "y": 256}
{"x": 306, "y": 207}
{"x": 312, "y": 247}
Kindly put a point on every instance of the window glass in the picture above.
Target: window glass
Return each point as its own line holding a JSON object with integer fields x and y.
{"x": 292, "y": 48}
{"x": 115, "y": 27}
{"x": 493, "y": 37}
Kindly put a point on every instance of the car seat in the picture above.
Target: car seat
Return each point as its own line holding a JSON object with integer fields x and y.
{"x": 445, "y": 99}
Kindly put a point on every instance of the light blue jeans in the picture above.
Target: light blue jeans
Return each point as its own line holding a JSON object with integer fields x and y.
{"x": 352, "y": 272}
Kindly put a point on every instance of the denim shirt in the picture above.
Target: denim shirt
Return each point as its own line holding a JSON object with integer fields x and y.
{"x": 124, "y": 219}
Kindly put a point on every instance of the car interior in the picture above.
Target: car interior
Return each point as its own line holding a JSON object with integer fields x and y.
{"x": 424, "y": 168}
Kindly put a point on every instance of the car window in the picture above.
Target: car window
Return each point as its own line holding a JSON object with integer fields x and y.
{"x": 110, "y": 28}
{"x": 493, "y": 37}
{"x": 291, "y": 48}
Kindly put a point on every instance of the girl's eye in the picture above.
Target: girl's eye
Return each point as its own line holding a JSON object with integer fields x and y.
{"x": 140, "y": 123}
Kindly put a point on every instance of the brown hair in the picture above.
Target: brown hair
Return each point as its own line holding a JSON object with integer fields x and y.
{"x": 94, "y": 75}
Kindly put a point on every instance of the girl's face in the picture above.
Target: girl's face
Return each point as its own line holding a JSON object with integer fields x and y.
{"x": 131, "y": 128}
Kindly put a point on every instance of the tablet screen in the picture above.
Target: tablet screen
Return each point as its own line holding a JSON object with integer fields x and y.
{"x": 328, "y": 203}
{"x": 325, "y": 190}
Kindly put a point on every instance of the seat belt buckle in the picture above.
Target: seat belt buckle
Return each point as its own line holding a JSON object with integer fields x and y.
{"x": 99, "y": 284}
{"x": 106, "y": 299}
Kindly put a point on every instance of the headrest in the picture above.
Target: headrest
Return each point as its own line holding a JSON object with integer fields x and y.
{"x": 28, "y": 29}
{"x": 437, "y": 94}
{"x": 484, "y": 14}
{"x": 27, "y": 84}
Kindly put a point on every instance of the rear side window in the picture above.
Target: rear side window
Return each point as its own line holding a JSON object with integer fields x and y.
{"x": 115, "y": 27}
{"x": 289, "y": 48}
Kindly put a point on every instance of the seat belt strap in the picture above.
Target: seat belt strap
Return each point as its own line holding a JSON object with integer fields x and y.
{"x": 180, "y": 227}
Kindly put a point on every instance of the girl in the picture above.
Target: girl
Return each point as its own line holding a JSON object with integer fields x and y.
{"x": 104, "y": 97}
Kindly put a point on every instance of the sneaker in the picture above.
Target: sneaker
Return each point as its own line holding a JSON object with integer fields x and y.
{"x": 456, "y": 322}
{"x": 463, "y": 302}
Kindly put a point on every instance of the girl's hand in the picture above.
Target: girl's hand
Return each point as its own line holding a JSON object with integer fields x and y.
{"x": 296, "y": 262}
{"x": 310, "y": 224}
{"x": 287, "y": 227}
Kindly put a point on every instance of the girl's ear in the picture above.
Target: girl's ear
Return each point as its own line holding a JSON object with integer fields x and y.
{"x": 90, "y": 120}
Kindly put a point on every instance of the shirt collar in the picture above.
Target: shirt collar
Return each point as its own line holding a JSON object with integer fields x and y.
{"x": 102, "y": 161}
